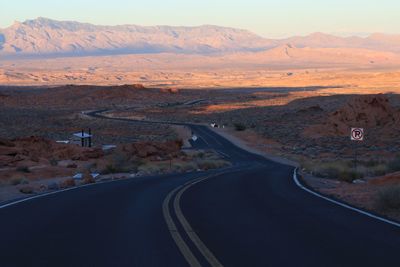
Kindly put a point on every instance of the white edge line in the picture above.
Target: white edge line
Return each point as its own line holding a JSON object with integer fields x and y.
{"x": 223, "y": 154}
{"x": 205, "y": 141}
{"x": 12, "y": 203}
{"x": 57, "y": 192}
{"x": 296, "y": 180}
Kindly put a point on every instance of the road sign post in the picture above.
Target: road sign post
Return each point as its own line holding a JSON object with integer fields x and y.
{"x": 356, "y": 135}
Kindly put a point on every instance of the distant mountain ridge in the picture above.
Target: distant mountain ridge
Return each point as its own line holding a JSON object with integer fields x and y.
{"x": 46, "y": 37}
{"x": 376, "y": 41}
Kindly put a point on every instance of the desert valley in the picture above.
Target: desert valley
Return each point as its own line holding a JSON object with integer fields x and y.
{"x": 139, "y": 93}
{"x": 295, "y": 98}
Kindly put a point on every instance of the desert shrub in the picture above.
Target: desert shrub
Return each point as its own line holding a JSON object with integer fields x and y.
{"x": 70, "y": 182}
{"x": 179, "y": 142}
{"x": 239, "y": 126}
{"x": 88, "y": 180}
{"x": 150, "y": 168}
{"x": 389, "y": 198}
{"x": 109, "y": 169}
{"x": 26, "y": 189}
{"x": 349, "y": 176}
{"x": 378, "y": 170}
{"x": 371, "y": 163}
{"x": 18, "y": 180}
{"x": 340, "y": 170}
{"x": 24, "y": 169}
{"x": 120, "y": 163}
{"x": 87, "y": 168}
{"x": 53, "y": 162}
{"x": 214, "y": 164}
{"x": 185, "y": 166}
{"x": 394, "y": 165}
{"x": 328, "y": 172}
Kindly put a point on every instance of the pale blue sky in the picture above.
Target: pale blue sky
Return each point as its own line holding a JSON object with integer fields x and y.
{"x": 269, "y": 18}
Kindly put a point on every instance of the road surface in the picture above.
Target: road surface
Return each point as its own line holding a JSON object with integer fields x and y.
{"x": 250, "y": 214}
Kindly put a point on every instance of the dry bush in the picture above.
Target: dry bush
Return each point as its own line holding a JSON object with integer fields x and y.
{"x": 119, "y": 163}
{"x": 151, "y": 168}
{"x": 212, "y": 164}
{"x": 16, "y": 180}
{"x": 26, "y": 189}
{"x": 388, "y": 198}
{"x": 185, "y": 166}
{"x": 88, "y": 178}
{"x": 70, "y": 182}
{"x": 394, "y": 165}
{"x": 340, "y": 170}
{"x": 239, "y": 127}
{"x": 24, "y": 169}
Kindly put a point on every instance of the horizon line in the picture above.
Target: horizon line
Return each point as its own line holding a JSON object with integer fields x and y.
{"x": 340, "y": 34}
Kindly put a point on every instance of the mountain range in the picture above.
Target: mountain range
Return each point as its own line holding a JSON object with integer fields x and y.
{"x": 45, "y": 37}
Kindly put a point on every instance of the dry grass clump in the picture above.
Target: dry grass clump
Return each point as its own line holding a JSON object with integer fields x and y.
{"x": 185, "y": 166}
{"x": 26, "y": 189}
{"x": 70, "y": 182}
{"x": 88, "y": 178}
{"x": 24, "y": 169}
{"x": 340, "y": 170}
{"x": 239, "y": 127}
{"x": 167, "y": 166}
{"x": 388, "y": 198}
{"x": 212, "y": 164}
{"x": 344, "y": 170}
{"x": 17, "y": 180}
{"x": 120, "y": 163}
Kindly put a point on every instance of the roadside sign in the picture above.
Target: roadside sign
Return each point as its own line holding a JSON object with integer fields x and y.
{"x": 357, "y": 134}
{"x": 194, "y": 138}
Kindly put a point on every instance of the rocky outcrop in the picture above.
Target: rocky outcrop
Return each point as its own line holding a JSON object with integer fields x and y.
{"x": 154, "y": 150}
{"x": 30, "y": 151}
{"x": 368, "y": 111}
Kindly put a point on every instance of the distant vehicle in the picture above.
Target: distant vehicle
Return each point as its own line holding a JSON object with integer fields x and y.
{"x": 214, "y": 125}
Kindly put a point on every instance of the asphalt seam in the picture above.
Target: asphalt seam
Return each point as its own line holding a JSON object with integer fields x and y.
{"x": 298, "y": 183}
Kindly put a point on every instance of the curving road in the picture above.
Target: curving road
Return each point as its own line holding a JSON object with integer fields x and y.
{"x": 251, "y": 214}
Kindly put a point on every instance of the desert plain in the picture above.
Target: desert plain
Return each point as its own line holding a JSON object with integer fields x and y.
{"x": 293, "y": 102}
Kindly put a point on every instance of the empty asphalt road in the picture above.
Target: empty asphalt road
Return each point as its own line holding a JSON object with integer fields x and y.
{"x": 251, "y": 214}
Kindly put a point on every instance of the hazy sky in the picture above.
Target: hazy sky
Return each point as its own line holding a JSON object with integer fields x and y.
{"x": 269, "y": 18}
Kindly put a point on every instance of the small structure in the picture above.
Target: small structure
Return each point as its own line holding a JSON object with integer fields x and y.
{"x": 66, "y": 142}
{"x": 84, "y": 138}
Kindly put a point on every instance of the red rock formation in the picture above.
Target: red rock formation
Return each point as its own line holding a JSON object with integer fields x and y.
{"x": 369, "y": 111}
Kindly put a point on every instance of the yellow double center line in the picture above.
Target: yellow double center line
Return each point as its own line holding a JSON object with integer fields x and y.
{"x": 183, "y": 247}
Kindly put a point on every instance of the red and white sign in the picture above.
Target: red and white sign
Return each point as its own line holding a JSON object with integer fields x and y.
{"x": 357, "y": 134}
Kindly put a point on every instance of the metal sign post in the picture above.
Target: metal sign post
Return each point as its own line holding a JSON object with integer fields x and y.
{"x": 356, "y": 134}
